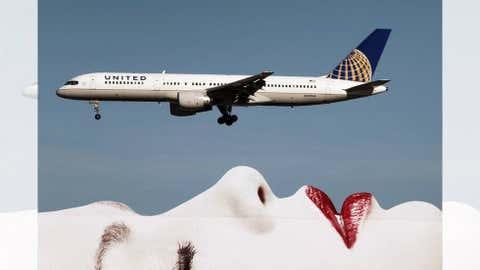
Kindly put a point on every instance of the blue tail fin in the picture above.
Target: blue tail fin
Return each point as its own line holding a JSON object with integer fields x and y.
{"x": 360, "y": 64}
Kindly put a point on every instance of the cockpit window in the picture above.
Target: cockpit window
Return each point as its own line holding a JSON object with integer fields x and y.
{"x": 71, "y": 83}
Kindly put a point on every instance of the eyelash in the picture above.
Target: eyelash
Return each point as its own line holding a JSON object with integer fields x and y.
{"x": 186, "y": 251}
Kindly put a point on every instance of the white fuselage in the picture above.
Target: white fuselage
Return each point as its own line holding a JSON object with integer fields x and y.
{"x": 278, "y": 90}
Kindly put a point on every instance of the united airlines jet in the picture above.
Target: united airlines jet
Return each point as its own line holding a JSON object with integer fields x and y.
{"x": 189, "y": 94}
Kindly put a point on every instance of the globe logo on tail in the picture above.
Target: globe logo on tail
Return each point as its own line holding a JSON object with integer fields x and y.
{"x": 355, "y": 67}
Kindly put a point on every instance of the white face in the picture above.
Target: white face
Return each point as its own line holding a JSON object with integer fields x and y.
{"x": 240, "y": 224}
{"x": 18, "y": 231}
{"x": 461, "y": 235}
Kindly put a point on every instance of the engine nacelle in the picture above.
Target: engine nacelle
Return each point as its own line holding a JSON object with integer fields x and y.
{"x": 177, "y": 110}
{"x": 191, "y": 101}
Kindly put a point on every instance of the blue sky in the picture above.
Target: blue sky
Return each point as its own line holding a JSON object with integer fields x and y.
{"x": 389, "y": 144}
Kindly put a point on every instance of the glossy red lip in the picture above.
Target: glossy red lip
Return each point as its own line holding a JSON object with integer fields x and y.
{"x": 354, "y": 211}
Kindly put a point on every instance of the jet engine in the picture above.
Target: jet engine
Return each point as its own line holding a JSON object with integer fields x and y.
{"x": 191, "y": 101}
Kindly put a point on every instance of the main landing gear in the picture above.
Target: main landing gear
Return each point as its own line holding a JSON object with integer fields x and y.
{"x": 96, "y": 109}
{"x": 227, "y": 117}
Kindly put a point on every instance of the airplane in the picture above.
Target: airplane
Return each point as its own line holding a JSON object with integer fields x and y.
{"x": 189, "y": 94}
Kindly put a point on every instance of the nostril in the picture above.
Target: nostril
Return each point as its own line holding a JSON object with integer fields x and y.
{"x": 261, "y": 194}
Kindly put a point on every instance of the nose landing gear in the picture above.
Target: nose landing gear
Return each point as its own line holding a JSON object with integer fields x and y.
{"x": 96, "y": 109}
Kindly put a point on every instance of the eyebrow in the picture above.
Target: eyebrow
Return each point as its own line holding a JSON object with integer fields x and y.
{"x": 186, "y": 252}
{"x": 115, "y": 233}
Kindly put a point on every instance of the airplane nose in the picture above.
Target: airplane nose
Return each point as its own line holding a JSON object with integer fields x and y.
{"x": 61, "y": 92}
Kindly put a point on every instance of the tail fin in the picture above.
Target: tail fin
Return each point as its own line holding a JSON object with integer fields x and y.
{"x": 360, "y": 64}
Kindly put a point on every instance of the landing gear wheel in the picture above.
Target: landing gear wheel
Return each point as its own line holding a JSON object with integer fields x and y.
{"x": 221, "y": 120}
{"x": 234, "y": 118}
{"x": 229, "y": 121}
{"x": 96, "y": 108}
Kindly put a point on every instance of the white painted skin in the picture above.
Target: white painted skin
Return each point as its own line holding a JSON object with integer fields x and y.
{"x": 461, "y": 235}
{"x": 31, "y": 91}
{"x": 18, "y": 244}
{"x": 232, "y": 229}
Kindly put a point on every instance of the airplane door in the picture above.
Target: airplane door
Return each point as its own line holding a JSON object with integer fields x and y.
{"x": 92, "y": 82}
{"x": 156, "y": 85}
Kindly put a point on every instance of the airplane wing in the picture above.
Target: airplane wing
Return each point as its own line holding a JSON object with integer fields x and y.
{"x": 365, "y": 88}
{"x": 238, "y": 91}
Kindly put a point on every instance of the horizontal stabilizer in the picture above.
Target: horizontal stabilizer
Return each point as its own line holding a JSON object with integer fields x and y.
{"x": 365, "y": 89}
{"x": 367, "y": 86}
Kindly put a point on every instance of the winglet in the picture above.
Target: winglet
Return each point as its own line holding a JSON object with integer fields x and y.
{"x": 266, "y": 73}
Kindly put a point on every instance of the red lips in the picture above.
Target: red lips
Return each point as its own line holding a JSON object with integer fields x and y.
{"x": 354, "y": 211}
